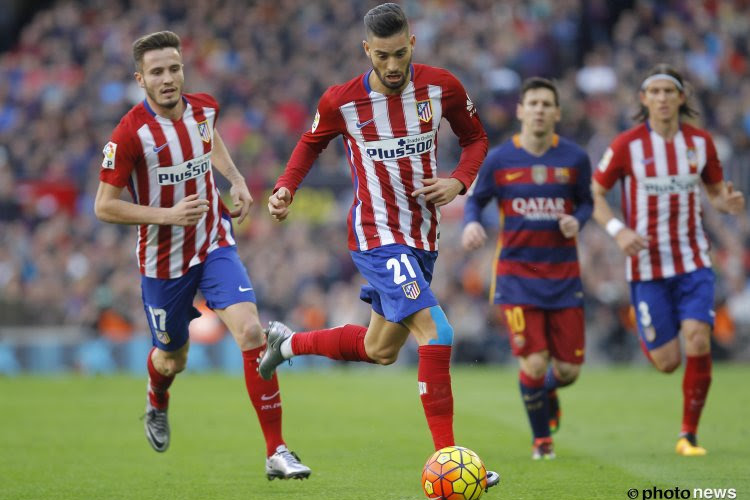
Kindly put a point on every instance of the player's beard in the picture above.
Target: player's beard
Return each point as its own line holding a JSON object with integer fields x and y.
{"x": 163, "y": 102}
{"x": 394, "y": 86}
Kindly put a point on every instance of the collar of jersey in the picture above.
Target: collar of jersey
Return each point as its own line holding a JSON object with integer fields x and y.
{"x": 153, "y": 113}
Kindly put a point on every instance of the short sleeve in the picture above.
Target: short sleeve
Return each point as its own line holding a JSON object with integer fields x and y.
{"x": 611, "y": 167}
{"x": 712, "y": 172}
{"x": 119, "y": 157}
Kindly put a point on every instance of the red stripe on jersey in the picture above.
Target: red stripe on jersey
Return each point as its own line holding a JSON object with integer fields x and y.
{"x": 143, "y": 188}
{"x": 692, "y": 223}
{"x": 188, "y": 244}
{"x": 652, "y": 229}
{"x": 674, "y": 211}
{"x": 545, "y": 270}
{"x": 542, "y": 239}
{"x": 200, "y": 116}
{"x": 632, "y": 217}
{"x": 386, "y": 188}
{"x": 367, "y": 210}
{"x": 167, "y": 201}
{"x": 422, "y": 94}
{"x": 398, "y": 126}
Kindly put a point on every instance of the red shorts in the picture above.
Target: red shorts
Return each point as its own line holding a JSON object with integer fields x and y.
{"x": 559, "y": 331}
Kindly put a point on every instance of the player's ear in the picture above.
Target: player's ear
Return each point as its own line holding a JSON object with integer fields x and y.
{"x": 412, "y": 40}
{"x": 139, "y": 79}
{"x": 366, "y": 46}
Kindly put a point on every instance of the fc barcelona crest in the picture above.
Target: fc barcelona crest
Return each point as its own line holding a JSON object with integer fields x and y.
{"x": 411, "y": 290}
{"x": 204, "y": 131}
{"x": 562, "y": 175}
{"x": 424, "y": 110}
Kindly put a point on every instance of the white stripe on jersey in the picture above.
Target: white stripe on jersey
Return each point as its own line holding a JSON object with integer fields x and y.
{"x": 436, "y": 96}
{"x": 703, "y": 244}
{"x": 663, "y": 238}
{"x": 383, "y": 126}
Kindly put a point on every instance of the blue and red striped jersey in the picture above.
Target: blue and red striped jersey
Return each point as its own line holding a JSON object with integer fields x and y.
{"x": 536, "y": 264}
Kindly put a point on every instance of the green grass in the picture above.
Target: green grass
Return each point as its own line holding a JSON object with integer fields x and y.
{"x": 364, "y": 435}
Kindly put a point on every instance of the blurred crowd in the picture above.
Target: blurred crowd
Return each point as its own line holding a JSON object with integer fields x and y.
{"x": 68, "y": 79}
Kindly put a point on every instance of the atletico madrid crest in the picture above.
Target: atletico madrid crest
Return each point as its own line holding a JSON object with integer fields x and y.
{"x": 424, "y": 110}
{"x": 411, "y": 290}
{"x": 204, "y": 131}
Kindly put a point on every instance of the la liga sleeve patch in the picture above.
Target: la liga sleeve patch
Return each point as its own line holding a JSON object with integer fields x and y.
{"x": 109, "y": 152}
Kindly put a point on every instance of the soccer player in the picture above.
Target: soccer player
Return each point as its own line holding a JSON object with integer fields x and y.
{"x": 389, "y": 119}
{"x": 662, "y": 163}
{"x": 541, "y": 182}
{"x": 163, "y": 151}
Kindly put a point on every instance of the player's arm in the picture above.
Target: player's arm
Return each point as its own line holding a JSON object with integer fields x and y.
{"x": 571, "y": 224}
{"x": 480, "y": 193}
{"x": 464, "y": 121}
{"x": 724, "y": 198}
{"x": 327, "y": 124}
{"x": 721, "y": 195}
{"x": 108, "y": 207}
{"x": 628, "y": 240}
{"x": 239, "y": 192}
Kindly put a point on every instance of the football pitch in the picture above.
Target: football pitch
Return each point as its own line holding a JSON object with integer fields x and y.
{"x": 363, "y": 433}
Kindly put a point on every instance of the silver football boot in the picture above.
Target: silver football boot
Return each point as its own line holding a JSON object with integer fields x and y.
{"x": 276, "y": 334}
{"x": 157, "y": 427}
{"x": 285, "y": 464}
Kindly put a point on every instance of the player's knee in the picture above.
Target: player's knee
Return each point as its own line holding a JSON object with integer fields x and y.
{"x": 250, "y": 335}
{"x": 384, "y": 355}
{"x": 567, "y": 373}
{"x": 442, "y": 326}
{"x": 173, "y": 366}
{"x": 667, "y": 364}
{"x": 535, "y": 366}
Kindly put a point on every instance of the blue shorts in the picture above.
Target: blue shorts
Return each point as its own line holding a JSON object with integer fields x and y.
{"x": 662, "y": 305}
{"x": 398, "y": 280}
{"x": 221, "y": 278}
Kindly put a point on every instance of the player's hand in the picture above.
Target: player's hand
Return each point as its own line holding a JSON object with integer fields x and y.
{"x": 473, "y": 236}
{"x": 242, "y": 200}
{"x": 569, "y": 225}
{"x": 278, "y": 204}
{"x": 188, "y": 211}
{"x": 630, "y": 242}
{"x": 439, "y": 191}
{"x": 734, "y": 201}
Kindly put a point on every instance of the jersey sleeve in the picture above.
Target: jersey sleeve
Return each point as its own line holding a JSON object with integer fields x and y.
{"x": 120, "y": 157}
{"x": 327, "y": 125}
{"x": 612, "y": 165}
{"x": 464, "y": 121}
{"x": 712, "y": 172}
{"x": 482, "y": 191}
{"x": 584, "y": 202}
{"x": 208, "y": 101}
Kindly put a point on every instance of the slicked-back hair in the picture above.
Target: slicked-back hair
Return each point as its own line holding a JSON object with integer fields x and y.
{"x": 537, "y": 82}
{"x": 666, "y": 69}
{"x": 385, "y": 20}
{"x": 154, "y": 41}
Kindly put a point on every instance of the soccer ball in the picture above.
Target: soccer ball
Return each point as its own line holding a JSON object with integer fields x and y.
{"x": 454, "y": 473}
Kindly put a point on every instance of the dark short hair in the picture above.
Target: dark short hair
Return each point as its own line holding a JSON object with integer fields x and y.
{"x": 666, "y": 69}
{"x": 154, "y": 41}
{"x": 386, "y": 20}
{"x": 537, "y": 82}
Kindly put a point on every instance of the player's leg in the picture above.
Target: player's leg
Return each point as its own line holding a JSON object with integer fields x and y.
{"x": 228, "y": 291}
{"x": 169, "y": 309}
{"x": 566, "y": 338}
{"x": 527, "y": 328}
{"x": 696, "y": 306}
{"x": 658, "y": 323}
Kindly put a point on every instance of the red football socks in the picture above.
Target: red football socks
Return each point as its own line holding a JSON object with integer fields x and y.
{"x": 433, "y": 375}
{"x": 695, "y": 384}
{"x": 266, "y": 398}
{"x": 345, "y": 343}
{"x": 158, "y": 385}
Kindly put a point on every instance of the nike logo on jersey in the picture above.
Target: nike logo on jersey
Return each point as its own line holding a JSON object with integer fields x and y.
{"x": 364, "y": 124}
{"x": 156, "y": 150}
{"x": 267, "y": 398}
{"x": 242, "y": 289}
{"x": 513, "y": 176}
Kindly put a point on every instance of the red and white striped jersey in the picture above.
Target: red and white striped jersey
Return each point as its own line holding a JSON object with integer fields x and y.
{"x": 391, "y": 146}
{"x": 661, "y": 196}
{"x": 161, "y": 161}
